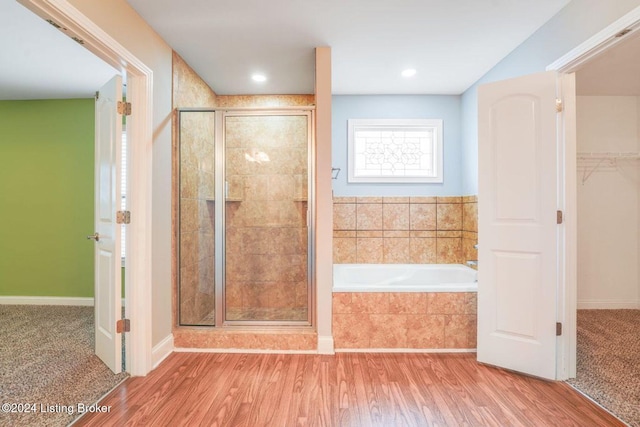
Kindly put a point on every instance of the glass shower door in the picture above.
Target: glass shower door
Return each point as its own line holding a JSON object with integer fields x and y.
{"x": 266, "y": 267}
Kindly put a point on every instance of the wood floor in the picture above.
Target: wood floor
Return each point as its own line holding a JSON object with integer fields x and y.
{"x": 348, "y": 389}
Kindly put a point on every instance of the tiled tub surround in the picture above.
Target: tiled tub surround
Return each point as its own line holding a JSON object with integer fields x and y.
{"x": 404, "y": 230}
{"x": 404, "y": 320}
{"x": 470, "y": 229}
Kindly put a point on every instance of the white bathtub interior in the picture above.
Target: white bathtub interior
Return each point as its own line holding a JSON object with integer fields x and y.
{"x": 404, "y": 278}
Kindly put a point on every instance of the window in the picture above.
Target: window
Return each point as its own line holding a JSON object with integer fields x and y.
{"x": 395, "y": 151}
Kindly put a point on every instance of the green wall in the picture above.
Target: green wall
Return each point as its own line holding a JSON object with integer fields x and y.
{"x": 46, "y": 197}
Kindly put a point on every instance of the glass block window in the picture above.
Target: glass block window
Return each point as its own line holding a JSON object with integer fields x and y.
{"x": 400, "y": 151}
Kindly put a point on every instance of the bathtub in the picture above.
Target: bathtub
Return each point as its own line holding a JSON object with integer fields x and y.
{"x": 404, "y": 278}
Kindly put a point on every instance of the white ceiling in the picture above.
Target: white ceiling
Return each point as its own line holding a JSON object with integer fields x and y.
{"x": 616, "y": 72}
{"x": 38, "y": 61}
{"x": 451, "y": 43}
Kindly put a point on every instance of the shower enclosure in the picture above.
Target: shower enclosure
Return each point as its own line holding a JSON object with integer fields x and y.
{"x": 244, "y": 224}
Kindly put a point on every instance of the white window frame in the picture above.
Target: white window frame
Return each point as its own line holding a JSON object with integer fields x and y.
{"x": 434, "y": 125}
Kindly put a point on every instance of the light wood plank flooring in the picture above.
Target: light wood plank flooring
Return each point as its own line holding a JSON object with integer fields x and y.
{"x": 348, "y": 389}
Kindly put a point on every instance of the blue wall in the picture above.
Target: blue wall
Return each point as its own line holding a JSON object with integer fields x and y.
{"x": 445, "y": 107}
{"x": 574, "y": 24}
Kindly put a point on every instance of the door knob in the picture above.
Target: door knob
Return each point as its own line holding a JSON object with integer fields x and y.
{"x": 94, "y": 236}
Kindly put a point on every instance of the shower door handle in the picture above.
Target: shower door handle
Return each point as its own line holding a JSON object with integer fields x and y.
{"x": 94, "y": 236}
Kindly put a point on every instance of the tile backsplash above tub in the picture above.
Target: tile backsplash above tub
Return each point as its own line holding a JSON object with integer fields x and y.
{"x": 404, "y": 230}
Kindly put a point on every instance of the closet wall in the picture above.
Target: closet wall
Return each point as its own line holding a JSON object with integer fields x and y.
{"x": 608, "y": 202}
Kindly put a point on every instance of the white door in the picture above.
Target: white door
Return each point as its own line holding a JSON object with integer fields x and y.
{"x": 108, "y": 304}
{"x": 517, "y": 194}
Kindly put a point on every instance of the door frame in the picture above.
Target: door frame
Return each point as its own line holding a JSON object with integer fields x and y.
{"x": 569, "y": 63}
{"x": 139, "y": 92}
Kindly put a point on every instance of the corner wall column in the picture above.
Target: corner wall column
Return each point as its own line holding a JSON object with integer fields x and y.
{"x": 324, "y": 202}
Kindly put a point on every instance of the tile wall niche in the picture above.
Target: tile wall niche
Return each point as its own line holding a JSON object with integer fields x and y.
{"x": 404, "y": 230}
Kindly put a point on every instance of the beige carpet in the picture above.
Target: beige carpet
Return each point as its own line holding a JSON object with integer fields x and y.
{"x": 609, "y": 361}
{"x": 46, "y": 358}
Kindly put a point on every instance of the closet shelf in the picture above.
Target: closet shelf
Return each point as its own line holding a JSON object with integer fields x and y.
{"x": 621, "y": 155}
{"x": 591, "y": 161}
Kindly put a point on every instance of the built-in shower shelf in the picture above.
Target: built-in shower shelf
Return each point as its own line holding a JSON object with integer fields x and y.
{"x": 228, "y": 199}
{"x": 234, "y": 199}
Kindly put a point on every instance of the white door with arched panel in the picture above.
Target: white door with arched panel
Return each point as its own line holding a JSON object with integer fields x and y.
{"x": 518, "y": 189}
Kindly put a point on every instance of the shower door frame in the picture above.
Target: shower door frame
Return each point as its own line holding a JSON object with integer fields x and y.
{"x": 220, "y": 214}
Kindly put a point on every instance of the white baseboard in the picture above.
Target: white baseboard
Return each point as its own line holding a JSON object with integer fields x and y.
{"x": 405, "y": 350}
{"x": 325, "y": 344}
{"x": 608, "y": 304}
{"x": 78, "y": 301}
{"x": 161, "y": 351}
{"x": 241, "y": 350}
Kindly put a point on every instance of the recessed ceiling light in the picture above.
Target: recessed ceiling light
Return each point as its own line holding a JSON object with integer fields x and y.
{"x": 259, "y": 78}
{"x": 409, "y": 72}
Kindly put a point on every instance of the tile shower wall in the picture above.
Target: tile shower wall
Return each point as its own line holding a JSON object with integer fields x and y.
{"x": 196, "y": 219}
{"x": 404, "y": 320}
{"x": 262, "y": 101}
{"x": 404, "y": 230}
{"x": 194, "y": 166}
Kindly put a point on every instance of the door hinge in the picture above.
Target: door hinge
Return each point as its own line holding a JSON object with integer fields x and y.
{"x": 123, "y": 325}
{"x": 124, "y": 108}
{"x": 559, "y": 105}
{"x": 559, "y": 217}
{"x": 97, "y": 95}
{"x": 123, "y": 217}
{"x": 558, "y": 329}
